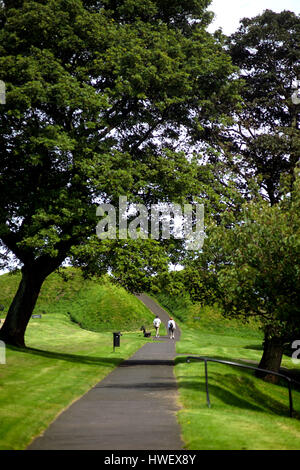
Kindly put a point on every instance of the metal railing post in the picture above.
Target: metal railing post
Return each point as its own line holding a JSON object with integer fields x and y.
{"x": 206, "y": 382}
{"x": 290, "y": 398}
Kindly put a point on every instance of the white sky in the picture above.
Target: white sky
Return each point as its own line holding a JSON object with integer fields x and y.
{"x": 229, "y": 12}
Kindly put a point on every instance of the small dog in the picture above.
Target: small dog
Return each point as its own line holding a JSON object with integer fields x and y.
{"x": 146, "y": 334}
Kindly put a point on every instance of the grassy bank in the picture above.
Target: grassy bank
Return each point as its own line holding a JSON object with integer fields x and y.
{"x": 246, "y": 413}
{"x": 63, "y": 359}
{"x": 96, "y": 305}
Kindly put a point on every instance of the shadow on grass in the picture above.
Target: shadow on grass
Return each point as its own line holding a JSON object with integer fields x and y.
{"x": 69, "y": 357}
{"x": 236, "y": 390}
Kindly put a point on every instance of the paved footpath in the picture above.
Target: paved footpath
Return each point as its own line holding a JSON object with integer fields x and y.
{"x": 133, "y": 408}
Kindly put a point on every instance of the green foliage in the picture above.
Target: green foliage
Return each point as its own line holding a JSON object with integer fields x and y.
{"x": 87, "y": 90}
{"x": 97, "y": 96}
{"x": 178, "y": 305}
{"x": 204, "y": 319}
{"x": 262, "y": 141}
{"x": 246, "y": 413}
{"x": 132, "y": 263}
{"x": 257, "y": 264}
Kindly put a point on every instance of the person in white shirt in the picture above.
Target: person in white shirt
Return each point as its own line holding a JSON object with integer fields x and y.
{"x": 156, "y": 323}
{"x": 171, "y": 328}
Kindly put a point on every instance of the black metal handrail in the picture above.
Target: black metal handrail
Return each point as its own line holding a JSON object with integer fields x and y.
{"x": 230, "y": 363}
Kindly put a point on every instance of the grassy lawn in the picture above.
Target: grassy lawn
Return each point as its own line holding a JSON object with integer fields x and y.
{"x": 62, "y": 360}
{"x": 246, "y": 413}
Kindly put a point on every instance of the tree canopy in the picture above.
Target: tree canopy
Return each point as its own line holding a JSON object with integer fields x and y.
{"x": 97, "y": 94}
{"x": 257, "y": 263}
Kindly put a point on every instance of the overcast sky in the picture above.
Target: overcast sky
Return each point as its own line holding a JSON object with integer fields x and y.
{"x": 229, "y": 12}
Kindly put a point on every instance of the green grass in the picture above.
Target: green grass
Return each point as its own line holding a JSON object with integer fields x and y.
{"x": 70, "y": 349}
{"x": 246, "y": 413}
{"x": 63, "y": 360}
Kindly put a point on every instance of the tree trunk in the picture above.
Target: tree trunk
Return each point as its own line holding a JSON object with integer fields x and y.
{"x": 271, "y": 359}
{"x": 21, "y": 308}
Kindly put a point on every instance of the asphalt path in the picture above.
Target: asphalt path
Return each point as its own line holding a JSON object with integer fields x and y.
{"x": 133, "y": 408}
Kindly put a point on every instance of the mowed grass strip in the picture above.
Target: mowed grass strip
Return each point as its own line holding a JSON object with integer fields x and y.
{"x": 62, "y": 360}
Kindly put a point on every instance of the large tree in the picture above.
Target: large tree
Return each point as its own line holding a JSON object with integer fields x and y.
{"x": 97, "y": 95}
{"x": 252, "y": 258}
{"x": 256, "y": 266}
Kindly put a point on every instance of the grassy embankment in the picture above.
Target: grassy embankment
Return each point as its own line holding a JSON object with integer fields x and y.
{"x": 245, "y": 413}
{"x": 64, "y": 358}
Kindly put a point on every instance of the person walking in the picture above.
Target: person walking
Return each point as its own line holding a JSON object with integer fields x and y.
{"x": 171, "y": 328}
{"x": 156, "y": 323}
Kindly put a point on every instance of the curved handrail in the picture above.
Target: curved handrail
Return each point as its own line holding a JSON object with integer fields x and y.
{"x": 236, "y": 364}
